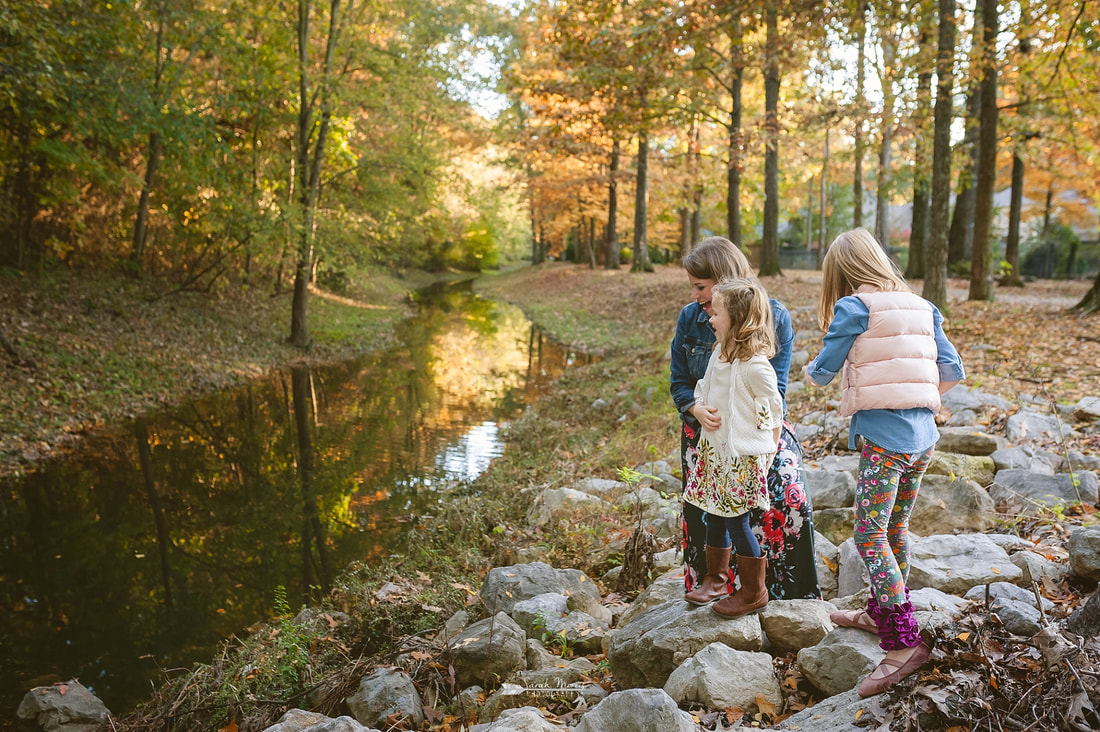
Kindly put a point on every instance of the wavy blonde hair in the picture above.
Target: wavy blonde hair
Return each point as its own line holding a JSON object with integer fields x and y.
{"x": 751, "y": 330}
{"x": 855, "y": 259}
{"x": 716, "y": 257}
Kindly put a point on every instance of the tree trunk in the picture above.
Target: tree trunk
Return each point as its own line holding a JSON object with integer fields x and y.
{"x": 733, "y": 174}
{"x": 611, "y": 244}
{"x": 981, "y": 270}
{"x": 935, "y": 258}
{"x": 141, "y": 220}
{"x": 861, "y": 62}
{"x": 809, "y": 213}
{"x": 685, "y": 231}
{"x": 1015, "y": 206}
{"x": 961, "y": 238}
{"x": 918, "y": 229}
{"x": 164, "y": 538}
{"x": 769, "y": 250}
{"x": 641, "y": 193}
{"x": 822, "y": 232}
{"x": 1090, "y": 303}
{"x": 882, "y": 188}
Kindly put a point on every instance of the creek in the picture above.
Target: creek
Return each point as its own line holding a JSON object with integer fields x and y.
{"x": 139, "y": 553}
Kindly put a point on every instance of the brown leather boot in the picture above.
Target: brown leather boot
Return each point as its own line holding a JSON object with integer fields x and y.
{"x": 713, "y": 584}
{"x": 753, "y": 594}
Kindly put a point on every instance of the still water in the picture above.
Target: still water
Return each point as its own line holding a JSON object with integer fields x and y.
{"x": 160, "y": 538}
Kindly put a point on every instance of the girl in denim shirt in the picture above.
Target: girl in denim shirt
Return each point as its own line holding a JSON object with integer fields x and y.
{"x": 785, "y": 528}
{"x": 896, "y": 361}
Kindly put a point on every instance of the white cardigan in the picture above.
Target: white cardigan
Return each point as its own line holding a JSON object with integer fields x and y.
{"x": 751, "y": 409}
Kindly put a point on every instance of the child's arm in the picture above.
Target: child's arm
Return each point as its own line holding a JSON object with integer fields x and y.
{"x": 947, "y": 358}
{"x": 849, "y": 320}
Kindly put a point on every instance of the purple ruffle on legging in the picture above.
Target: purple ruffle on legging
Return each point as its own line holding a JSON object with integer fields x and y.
{"x": 897, "y": 628}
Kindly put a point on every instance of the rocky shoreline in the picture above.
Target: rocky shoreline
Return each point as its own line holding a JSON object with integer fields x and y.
{"x": 547, "y": 637}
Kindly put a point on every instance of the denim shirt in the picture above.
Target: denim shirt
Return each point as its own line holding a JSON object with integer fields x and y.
{"x": 694, "y": 341}
{"x": 906, "y": 431}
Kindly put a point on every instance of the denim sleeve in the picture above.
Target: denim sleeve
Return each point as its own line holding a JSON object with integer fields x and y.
{"x": 947, "y": 358}
{"x": 681, "y": 382}
{"x": 849, "y": 320}
{"x": 784, "y": 345}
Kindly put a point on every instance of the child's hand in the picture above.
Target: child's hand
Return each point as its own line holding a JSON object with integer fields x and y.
{"x": 707, "y": 416}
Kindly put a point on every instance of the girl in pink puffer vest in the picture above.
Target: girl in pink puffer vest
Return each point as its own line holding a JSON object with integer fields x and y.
{"x": 896, "y": 362}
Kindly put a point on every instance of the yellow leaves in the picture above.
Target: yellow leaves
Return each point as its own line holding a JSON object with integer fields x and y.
{"x": 964, "y": 637}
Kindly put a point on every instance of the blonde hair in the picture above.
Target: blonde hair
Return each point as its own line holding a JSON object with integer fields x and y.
{"x": 715, "y": 258}
{"x": 751, "y": 330}
{"x": 855, "y": 259}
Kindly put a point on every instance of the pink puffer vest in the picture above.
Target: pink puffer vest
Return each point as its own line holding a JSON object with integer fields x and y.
{"x": 892, "y": 365}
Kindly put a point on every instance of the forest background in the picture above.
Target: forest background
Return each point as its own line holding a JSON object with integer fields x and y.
{"x": 182, "y": 151}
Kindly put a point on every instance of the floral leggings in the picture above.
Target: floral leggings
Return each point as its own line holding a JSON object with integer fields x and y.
{"x": 886, "y": 488}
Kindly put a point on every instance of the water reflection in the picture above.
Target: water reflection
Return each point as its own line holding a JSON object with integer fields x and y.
{"x": 160, "y": 539}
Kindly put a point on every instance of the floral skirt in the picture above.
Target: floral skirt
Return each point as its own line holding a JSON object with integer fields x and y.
{"x": 727, "y": 487}
{"x": 785, "y": 528}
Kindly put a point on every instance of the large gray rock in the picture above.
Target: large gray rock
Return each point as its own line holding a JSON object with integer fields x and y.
{"x": 1027, "y": 457}
{"x": 554, "y": 503}
{"x": 64, "y": 707}
{"x": 792, "y": 625}
{"x": 299, "y": 720}
{"x": 1084, "y": 552}
{"x": 959, "y": 397}
{"x": 828, "y": 562}
{"x": 647, "y": 650}
{"x": 839, "y": 713}
{"x": 719, "y": 677}
{"x": 954, "y": 564}
{"x": 488, "y": 652}
{"x": 837, "y": 663}
{"x": 835, "y": 524}
{"x": 852, "y": 575}
{"x": 830, "y": 488}
{"x": 1030, "y": 425}
{"x": 637, "y": 710}
{"x": 978, "y": 468}
{"x": 944, "y": 505}
{"x": 1087, "y": 409}
{"x": 505, "y": 586}
{"x": 1025, "y": 489}
{"x": 383, "y": 693}
{"x": 969, "y": 441}
{"x": 1015, "y": 606}
{"x": 524, "y": 719}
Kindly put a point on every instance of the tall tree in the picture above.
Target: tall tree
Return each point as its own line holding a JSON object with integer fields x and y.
{"x": 981, "y": 272}
{"x": 860, "y": 30}
{"x": 888, "y": 40}
{"x": 922, "y": 143}
{"x": 935, "y": 268}
{"x": 769, "y": 250}
{"x": 960, "y": 241}
{"x": 316, "y": 94}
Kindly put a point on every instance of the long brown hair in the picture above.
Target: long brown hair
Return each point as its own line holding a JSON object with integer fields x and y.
{"x": 716, "y": 257}
{"x": 855, "y": 259}
{"x": 751, "y": 328}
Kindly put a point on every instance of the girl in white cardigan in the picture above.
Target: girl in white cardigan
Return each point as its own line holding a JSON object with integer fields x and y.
{"x": 738, "y": 405}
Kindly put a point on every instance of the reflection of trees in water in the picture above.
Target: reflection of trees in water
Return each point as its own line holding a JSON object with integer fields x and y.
{"x": 184, "y": 524}
{"x": 313, "y": 530}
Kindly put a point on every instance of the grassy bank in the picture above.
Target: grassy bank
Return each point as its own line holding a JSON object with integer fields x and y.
{"x": 96, "y": 347}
